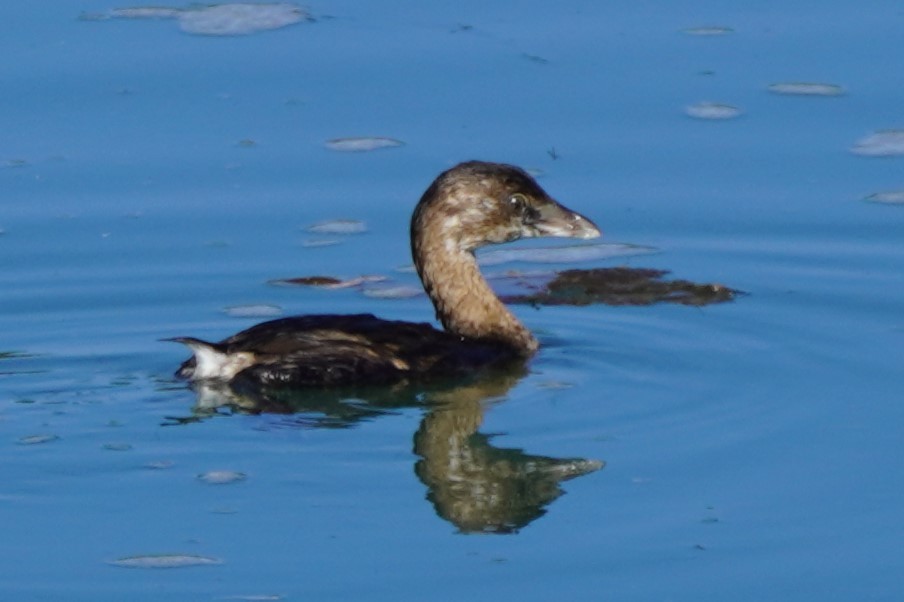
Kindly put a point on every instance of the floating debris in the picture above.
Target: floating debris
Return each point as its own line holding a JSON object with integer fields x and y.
{"x": 338, "y": 226}
{"x": 37, "y": 439}
{"x": 247, "y": 143}
{"x": 260, "y": 310}
{"x": 165, "y": 561}
{"x": 713, "y": 111}
{"x": 888, "y": 197}
{"x": 564, "y": 254}
{"x": 217, "y": 19}
{"x": 883, "y": 143}
{"x": 622, "y": 286}
{"x": 362, "y": 144}
{"x": 806, "y": 89}
{"x": 708, "y": 30}
{"x": 325, "y": 281}
{"x": 328, "y": 281}
{"x": 393, "y": 292}
{"x": 222, "y": 477}
{"x": 255, "y": 597}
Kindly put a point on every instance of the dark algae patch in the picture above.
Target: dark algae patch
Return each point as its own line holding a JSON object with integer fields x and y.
{"x": 611, "y": 286}
{"x": 622, "y": 286}
{"x": 311, "y": 281}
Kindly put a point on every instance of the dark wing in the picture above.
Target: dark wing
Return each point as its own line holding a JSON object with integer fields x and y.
{"x": 325, "y": 350}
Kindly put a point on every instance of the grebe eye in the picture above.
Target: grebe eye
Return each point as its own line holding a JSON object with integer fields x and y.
{"x": 518, "y": 200}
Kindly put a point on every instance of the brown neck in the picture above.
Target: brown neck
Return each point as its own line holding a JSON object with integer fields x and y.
{"x": 464, "y": 301}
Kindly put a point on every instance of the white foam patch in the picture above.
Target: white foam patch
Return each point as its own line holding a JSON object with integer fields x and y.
{"x": 393, "y": 292}
{"x": 883, "y": 143}
{"x": 887, "y": 197}
{"x": 230, "y": 19}
{"x": 145, "y": 12}
{"x": 259, "y": 310}
{"x": 222, "y": 477}
{"x": 165, "y": 561}
{"x": 37, "y": 439}
{"x": 712, "y": 111}
{"x": 362, "y": 144}
{"x": 338, "y": 226}
{"x": 240, "y": 19}
{"x": 353, "y": 282}
{"x": 806, "y": 89}
{"x": 320, "y": 242}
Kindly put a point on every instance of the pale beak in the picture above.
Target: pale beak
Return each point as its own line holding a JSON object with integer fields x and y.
{"x": 557, "y": 220}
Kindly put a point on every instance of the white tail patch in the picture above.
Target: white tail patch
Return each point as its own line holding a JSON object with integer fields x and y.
{"x": 210, "y": 362}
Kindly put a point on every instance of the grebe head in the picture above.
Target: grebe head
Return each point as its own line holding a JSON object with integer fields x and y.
{"x": 478, "y": 203}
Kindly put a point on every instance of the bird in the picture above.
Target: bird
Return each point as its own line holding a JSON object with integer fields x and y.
{"x": 469, "y": 206}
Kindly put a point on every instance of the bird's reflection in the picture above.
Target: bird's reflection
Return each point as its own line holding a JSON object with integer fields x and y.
{"x": 471, "y": 483}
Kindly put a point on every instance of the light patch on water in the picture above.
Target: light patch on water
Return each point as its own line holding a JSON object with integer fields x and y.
{"x": 362, "y": 144}
{"x": 320, "y": 242}
{"x": 887, "y": 197}
{"x": 338, "y": 226}
{"x": 882, "y": 143}
{"x": 160, "y": 464}
{"x": 566, "y": 254}
{"x": 708, "y": 30}
{"x": 806, "y": 89}
{"x": 393, "y": 292}
{"x": 222, "y": 477}
{"x": 165, "y": 561}
{"x": 352, "y": 282}
{"x": 257, "y": 310}
{"x": 229, "y": 19}
{"x": 117, "y": 446}
{"x": 37, "y": 439}
{"x": 144, "y": 12}
{"x": 712, "y": 111}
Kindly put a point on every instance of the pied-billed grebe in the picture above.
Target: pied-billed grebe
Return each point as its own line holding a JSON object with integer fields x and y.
{"x": 469, "y": 206}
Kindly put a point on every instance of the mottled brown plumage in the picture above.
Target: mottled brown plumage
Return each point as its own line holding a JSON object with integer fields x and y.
{"x": 469, "y": 206}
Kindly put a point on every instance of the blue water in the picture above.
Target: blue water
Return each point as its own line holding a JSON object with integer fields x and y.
{"x": 152, "y": 178}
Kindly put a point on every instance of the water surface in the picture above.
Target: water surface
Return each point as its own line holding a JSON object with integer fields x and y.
{"x": 152, "y": 178}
